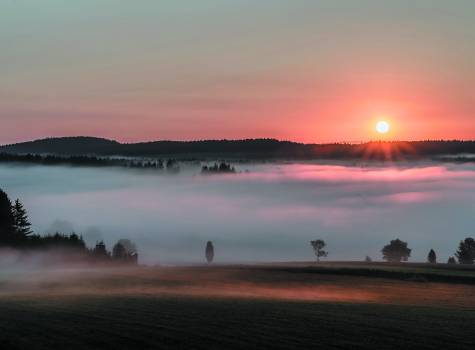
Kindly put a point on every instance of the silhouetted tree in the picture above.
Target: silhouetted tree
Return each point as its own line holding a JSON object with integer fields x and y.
{"x": 126, "y": 251}
{"x": 119, "y": 252}
{"x": 396, "y": 251}
{"x": 57, "y": 240}
{"x": 451, "y": 260}
{"x": 209, "y": 252}
{"x": 221, "y": 167}
{"x": 7, "y": 220}
{"x": 129, "y": 246}
{"x": 22, "y": 224}
{"x": 77, "y": 241}
{"x": 431, "y": 257}
{"x": 466, "y": 252}
{"x": 368, "y": 259}
{"x": 318, "y": 246}
{"x": 100, "y": 252}
{"x": 172, "y": 166}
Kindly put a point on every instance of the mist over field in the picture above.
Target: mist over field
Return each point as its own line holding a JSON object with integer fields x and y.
{"x": 267, "y": 214}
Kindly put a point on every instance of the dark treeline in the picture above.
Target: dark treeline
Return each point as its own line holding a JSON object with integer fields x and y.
{"x": 245, "y": 149}
{"x": 218, "y": 168}
{"x": 16, "y": 233}
{"x": 170, "y": 165}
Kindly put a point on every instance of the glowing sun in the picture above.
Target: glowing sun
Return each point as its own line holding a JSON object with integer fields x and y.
{"x": 382, "y": 127}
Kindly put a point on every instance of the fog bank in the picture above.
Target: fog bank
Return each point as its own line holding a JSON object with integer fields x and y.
{"x": 268, "y": 214}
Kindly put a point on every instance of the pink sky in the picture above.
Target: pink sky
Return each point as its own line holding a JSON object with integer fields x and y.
{"x": 311, "y": 71}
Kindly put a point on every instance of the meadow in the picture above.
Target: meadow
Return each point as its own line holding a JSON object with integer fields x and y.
{"x": 239, "y": 306}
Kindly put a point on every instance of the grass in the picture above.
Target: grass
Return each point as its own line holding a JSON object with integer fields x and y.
{"x": 232, "y": 307}
{"x": 406, "y": 271}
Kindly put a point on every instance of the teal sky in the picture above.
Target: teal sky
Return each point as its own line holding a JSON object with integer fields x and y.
{"x": 302, "y": 70}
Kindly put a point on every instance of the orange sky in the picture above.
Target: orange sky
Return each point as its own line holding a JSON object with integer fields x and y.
{"x": 310, "y": 71}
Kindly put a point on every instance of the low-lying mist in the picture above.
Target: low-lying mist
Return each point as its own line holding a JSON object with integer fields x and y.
{"x": 67, "y": 284}
{"x": 267, "y": 214}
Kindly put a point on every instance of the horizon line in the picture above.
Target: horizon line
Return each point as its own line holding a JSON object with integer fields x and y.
{"x": 347, "y": 142}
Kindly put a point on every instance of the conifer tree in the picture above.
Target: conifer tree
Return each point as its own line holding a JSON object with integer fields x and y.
{"x": 7, "y": 221}
{"x": 22, "y": 224}
{"x": 209, "y": 252}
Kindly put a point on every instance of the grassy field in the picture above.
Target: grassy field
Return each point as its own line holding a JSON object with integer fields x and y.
{"x": 279, "y": 306}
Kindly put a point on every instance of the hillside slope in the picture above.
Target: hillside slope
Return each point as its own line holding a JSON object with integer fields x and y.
{"x": 250, "y": 148}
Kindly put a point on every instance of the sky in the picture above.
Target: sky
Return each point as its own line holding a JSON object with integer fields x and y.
{"x": 308, "y": 71}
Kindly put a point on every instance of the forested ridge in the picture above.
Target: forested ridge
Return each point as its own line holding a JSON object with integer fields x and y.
{"x": 249, "y": 148}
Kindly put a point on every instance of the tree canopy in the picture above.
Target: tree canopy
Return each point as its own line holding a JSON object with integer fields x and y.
{"x": 318, "y": 246}
{"x": 432, "y": 257}
{"x": 466, "y": 251}
{"x": 396, "y": 251}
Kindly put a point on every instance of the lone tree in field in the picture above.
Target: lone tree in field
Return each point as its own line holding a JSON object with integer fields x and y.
{"x": 466, "y": 252}
{"x": 396, "y": 251}
{"x": 451, "y": 260}
{"x": 22, "y": 225}
{"x": 431, "y": 257}
{"x": 318, "y": 246}
{"x": 209, "y": 252}
{"x": 368, "y": 259}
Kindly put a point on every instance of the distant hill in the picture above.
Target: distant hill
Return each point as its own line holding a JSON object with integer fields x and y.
{"x": 251, "y": 149}
{"x": 63, "y": 145}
